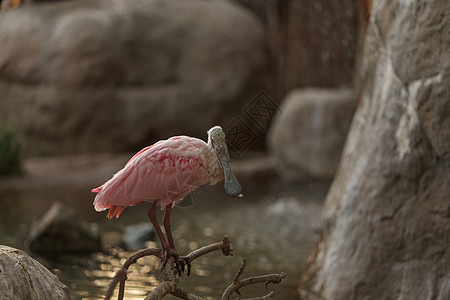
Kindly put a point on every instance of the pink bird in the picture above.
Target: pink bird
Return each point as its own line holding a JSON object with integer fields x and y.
{"x": 164, "y": 173}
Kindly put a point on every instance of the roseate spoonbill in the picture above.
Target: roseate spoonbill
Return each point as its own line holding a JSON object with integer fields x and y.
{"x": 164, "y": 173}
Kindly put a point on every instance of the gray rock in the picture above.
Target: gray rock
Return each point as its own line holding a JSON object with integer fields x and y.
{"x": 135, "y": 236}
{"x": 22, "y": 277}
{"x": 308, "y": 136}
{"x": 387, "y": 224}
{"x": 61, "y": 231}
{"x": 108, "y": 75}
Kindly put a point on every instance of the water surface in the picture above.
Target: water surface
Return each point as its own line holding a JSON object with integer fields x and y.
{"x": 274, "y": 227}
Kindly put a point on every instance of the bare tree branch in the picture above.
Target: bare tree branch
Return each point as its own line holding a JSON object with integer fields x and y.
{"x": 182, "y": 294}
{"x": 237, "y": 283}
{"x": 164, "y": 288}
{"x": 121, "y": 275}
{"x": 269, "y": 296}
{"x": 171, "y": 277}
{"x": 224, "y": 245}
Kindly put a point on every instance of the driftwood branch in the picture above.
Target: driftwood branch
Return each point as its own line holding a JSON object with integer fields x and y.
{"x": 171, "y": 277}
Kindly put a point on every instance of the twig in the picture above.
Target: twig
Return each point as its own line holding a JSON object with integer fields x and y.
{"x": 239, "y": 273}
{"x": 237, "y": 283}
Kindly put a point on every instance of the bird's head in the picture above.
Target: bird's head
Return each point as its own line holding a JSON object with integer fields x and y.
{"x": 216, "y": 139}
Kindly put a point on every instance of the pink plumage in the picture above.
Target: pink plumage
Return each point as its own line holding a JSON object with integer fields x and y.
{"x": 163, "y": 173}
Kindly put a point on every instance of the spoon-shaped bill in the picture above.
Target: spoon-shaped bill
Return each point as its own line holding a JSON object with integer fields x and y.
{"x": 232, "y": 186}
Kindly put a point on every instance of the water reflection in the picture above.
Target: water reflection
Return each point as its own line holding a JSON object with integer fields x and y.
{"x": 274, "y": 228}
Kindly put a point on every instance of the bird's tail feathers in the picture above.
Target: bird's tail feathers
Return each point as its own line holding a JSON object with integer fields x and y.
{"x": 115, "y": 211}
{"x": 97, "y": 189}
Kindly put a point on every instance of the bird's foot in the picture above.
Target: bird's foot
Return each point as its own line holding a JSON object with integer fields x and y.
{"x": 180, "y": 261}
{"x": 184, "y": 260}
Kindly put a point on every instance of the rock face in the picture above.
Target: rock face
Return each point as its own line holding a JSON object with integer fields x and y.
{"x": 61, "y": 231}
{"x": 22, "y": 277}
{"x": 308, "y": 136}
{"x": 94, "y": 75}
{"x": 387, "y": 217}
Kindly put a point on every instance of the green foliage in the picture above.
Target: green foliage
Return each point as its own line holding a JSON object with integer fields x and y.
{"x": 10, "y": 152}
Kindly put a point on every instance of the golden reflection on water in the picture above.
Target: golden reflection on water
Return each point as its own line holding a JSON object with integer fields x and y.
{"x": 275, "y": 234}
{"x": 141, "y": 278}
{"x": 145, "y": 274}
{"x": 211, "y": 274}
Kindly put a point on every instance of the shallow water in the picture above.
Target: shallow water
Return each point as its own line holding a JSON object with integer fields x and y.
{"x": 274, "y": 227}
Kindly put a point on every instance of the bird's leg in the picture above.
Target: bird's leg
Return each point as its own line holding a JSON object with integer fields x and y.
{"x": 152, "y": 216}
{"x": 185, "y": 260}
{"x": 166, "y": 222}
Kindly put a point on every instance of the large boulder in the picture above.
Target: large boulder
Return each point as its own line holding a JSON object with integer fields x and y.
{"x": 60, "y": 230}
{"x": 387, "y": 216}
{"x": 22, "y": 277}
{"x": 308, "y": 136}
{"x": 111, "y": 75}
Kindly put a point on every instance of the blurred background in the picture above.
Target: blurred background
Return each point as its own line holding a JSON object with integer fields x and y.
{"x": 85, "y": 84}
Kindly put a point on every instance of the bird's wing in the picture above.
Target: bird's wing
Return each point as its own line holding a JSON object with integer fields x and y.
{"x": 160, "y": 173}
{"x": 167, "y": 175}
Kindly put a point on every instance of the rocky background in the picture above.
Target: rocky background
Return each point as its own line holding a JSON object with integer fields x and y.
{"x": 387, "y": 218}
{"x": 98, "y": 75}
{"x": 83, "y": 76}
{"x": 360, "y": 96}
